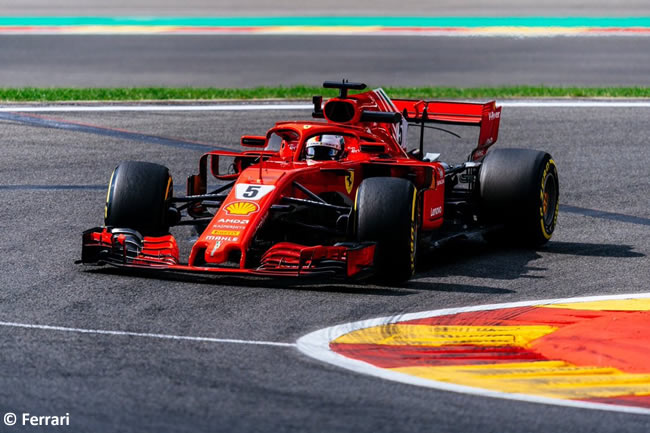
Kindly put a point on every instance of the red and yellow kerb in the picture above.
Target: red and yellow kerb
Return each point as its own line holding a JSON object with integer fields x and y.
{"x": 593, "y": 351}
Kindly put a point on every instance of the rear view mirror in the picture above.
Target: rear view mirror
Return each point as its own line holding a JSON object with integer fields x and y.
{"x": 224, "y": 167}
{"x": 253, "y": 141}
{"x": 372, "y": 147}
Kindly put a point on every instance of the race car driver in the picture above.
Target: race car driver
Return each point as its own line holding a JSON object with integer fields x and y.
{"x": 325, "y": 147}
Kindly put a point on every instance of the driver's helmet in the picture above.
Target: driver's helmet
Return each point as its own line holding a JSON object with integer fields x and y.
{"x": 325, "y": 147}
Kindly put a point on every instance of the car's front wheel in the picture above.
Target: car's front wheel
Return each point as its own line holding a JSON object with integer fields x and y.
{"x": 139, "y": 197}
{"x": 386, "y": 213}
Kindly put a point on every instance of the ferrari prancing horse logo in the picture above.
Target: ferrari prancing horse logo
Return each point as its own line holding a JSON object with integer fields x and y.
{"x": 349, "y": 181}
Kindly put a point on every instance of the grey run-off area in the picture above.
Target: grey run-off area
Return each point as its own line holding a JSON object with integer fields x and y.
{"x": 248, "y": 61}
{"x": 329, "y": 8}
{"x": 272, "y": 60}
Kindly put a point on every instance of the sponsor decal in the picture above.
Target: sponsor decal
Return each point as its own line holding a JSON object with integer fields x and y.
{"x": 247, "y": 191}
{"x": 435, "y": 211}
{"x": 217, "y": 245}
{"x": 226, "y": 232}
{"x": 226, "y": 227}
{"x": 241, "y": 208}
{"x": 494, "y": 115}
{"x": 222, "y": 238}
{"x": 349, "y": 181}
{"x": 233, "y": 221}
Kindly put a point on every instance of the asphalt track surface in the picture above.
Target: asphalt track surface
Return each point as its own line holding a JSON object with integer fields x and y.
{"x": 52, "y": 189}
{"x": 330, "y": 8}
{"x": 272, "y": 60}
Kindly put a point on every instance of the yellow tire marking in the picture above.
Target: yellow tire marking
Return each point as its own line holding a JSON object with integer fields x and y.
{"x": 413, "y": 229}
{"x": 415, "y": 195}
{"x": 356, "y": 199}
{"x": 169, "y": 189}
{"x": 542, "y": 209}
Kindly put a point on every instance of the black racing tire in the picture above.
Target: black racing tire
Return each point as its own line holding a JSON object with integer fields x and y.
{"x": 520, "y": 190}
{"x": 385, "y": 211}
{"x": 139, "y": 196}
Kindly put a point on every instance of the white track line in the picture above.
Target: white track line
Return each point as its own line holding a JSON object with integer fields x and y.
{"x": 275, "y": 106}
{"x": 99, "y": 108}
{"x": 317, "y": 345}
{"x": 143, "y": 334}
{"x": 576, "y": 104}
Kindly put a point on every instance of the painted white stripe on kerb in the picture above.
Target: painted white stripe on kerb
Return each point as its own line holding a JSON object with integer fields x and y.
{"x": 317, "y": 345}
{"x": 264, "y": 107}
{"x": 143, "y": 334}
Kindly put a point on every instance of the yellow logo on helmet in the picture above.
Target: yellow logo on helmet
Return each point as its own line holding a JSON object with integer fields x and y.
{"x": 241, "y": 208}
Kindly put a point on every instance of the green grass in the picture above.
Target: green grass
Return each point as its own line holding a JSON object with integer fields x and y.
{"x": 30, "y": 94}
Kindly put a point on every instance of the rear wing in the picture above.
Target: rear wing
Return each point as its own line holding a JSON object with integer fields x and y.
{"x": 486, "y": 116}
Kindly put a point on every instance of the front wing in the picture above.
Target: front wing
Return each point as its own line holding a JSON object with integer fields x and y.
{"x": 127, "y": 248}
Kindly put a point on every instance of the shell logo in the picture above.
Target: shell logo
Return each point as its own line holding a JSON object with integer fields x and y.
{"x": 241, "y": 208}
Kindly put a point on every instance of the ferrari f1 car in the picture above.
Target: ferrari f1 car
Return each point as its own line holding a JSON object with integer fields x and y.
{"x": 338, "y": 196}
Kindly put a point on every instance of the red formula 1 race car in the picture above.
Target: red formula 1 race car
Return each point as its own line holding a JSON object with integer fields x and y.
{"x": 339, "y": 196}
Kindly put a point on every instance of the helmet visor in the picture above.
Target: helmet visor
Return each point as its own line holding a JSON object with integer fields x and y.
{"x": 321, "y": 153}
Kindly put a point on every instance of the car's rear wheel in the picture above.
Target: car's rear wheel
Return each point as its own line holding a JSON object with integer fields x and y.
{"x": 520, "y": 191}
{"x": 386, "y": 213}
{"x": 139, "y": 196}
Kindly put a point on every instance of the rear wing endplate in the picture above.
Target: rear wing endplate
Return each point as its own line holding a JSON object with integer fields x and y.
{"x": 486, "y": 116}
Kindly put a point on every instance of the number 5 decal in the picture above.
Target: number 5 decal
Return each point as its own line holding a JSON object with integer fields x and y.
{"x": 246, "y": 191}
{"x": 251, "y": 191}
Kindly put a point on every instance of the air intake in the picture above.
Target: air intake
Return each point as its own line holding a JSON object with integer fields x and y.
{"x": 340, "y": 111}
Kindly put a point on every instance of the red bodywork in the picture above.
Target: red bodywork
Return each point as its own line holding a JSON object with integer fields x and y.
{"x": 277, "y": 173}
